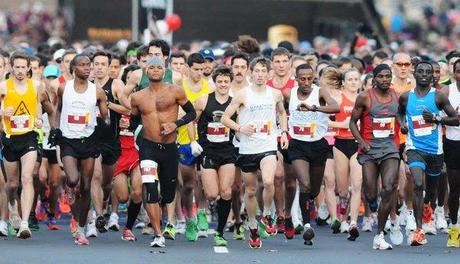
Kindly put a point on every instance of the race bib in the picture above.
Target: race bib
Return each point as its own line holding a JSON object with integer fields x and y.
{"x": 21, "y": 123}
{"x": 216, "y": 132}
{"x": 263, "y": 128}
{"x": 383, "y": 127}
{"x": 149, "y": 171}
{"x": 77, "y": 122}
{"x": 307, "y": 130}
{"x": 421, "y": 127}
{"x": 330, "y": 132}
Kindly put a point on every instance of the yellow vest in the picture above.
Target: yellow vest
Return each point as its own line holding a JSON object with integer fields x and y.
{"x": 182, "y": 137}
{"x": 25, "y": 109}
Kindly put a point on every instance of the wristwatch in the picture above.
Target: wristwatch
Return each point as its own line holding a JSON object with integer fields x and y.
{"x": 437, "y": 118}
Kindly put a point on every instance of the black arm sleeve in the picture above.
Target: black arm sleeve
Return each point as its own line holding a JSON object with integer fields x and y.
{"x": 190, "y": 114}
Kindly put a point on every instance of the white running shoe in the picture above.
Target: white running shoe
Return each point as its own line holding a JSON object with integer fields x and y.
{"x": 91, "y": 230}
{"x": 15, "y": 219}
{"x": 367, "y": 225}
{"x": 180, "y": 227}
{"x": 402, "y": 219}
{"x": 410, "y": 222}
{"x": 429, "y": 228}
{"x": 441, "y": 222}
{"x": 158, "y": 241}
{"x": 3, "y": 228}
{"x": 387, "y": 225}
{"x": 24, "y": 231}
{"x": 344, "y": 226}
{"x": 148, "y": 231}
{"x": 113, "y": 222}
{"x": 380, "y": 243}
{"x": 323, "y": 213}
{"x": 139, "y": 225}
{"x": 396, "y": 235}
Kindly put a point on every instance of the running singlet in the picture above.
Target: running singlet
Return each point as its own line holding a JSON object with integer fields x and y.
{"x": 453, "y": 132}
{"x": 306, "y": 125}
{"x": 379, "y": 126}
{"x": 291, "y": 83}
{"x": 260, "y": 112}
{"x": 346, "y": 107}
{"x": 25, "y": 108}
{"x": 422, "y": 135}
{"x": 144, "y": 82}
{"x": 182, "y": 136}
{"x": 212, "y": 133}
{"x": 78, "y": 115}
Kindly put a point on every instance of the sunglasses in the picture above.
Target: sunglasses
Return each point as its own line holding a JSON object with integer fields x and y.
{"x": 403, "y": 64}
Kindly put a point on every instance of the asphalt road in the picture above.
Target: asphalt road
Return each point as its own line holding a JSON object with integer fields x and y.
{"x": 58, "y": 247}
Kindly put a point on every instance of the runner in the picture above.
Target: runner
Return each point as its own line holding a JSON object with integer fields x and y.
{"x": 218, "y": 163}
{"x": 421, "y": 107}
{"x": 78, "y": 102}
{"x": 378, "y": 151}
{"x": 451, "y": 146}
{"x": 22, "y": 102}
{"x": 347, "y": 169}
{"x": 116, "y": 64}
{"x": 158, "y": 151}
{"x": 209, "y": 65}
{"x": 258, "y": 109}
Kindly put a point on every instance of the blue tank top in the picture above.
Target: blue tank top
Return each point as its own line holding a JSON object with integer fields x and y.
{"x": 423, "y": 136}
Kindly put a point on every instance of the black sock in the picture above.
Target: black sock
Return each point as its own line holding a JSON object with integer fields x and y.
{"x": 305, "y": 203}
{"x": 133, "y": 211}
{"x": 223, "y": 209}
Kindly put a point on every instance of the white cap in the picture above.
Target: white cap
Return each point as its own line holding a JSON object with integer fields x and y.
{"x": 58, "y": 54}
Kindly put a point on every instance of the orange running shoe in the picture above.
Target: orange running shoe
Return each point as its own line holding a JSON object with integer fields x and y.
{"x": 427, "y": 213}
{"x": 418, "y": 238}
{"x": 64, "y": 205}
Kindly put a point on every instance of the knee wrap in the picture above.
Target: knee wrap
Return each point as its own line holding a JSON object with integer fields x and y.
{"x": 149, "y": 174}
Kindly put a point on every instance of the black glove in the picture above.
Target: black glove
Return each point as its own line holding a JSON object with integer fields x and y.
{"x": 54, "y": 137}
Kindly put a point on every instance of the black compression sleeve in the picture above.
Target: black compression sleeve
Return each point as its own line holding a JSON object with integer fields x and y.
{"x": 189, "y": 116}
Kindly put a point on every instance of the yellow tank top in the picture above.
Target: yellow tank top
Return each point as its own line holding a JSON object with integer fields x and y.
{"x": 25, "y": 109}
{"x": 182, "y": 137}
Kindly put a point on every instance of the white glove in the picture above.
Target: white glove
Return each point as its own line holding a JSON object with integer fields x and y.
{"x": 196, "y": 149}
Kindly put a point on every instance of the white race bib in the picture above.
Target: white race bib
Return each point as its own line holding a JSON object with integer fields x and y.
{"x": 421, "y": 127}
{"x": 77, "y": 122}
{"x": 383, "y": 127}
{"x": 216, "y": 132}
{"x": 21, "y": 123}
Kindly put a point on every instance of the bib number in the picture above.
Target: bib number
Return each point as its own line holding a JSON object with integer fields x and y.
{"x": 77, "y": 122}
{"x": 149, "y": 171}
{"x": 421, "y": 127}
{"x": 21, "y": 123}
{"x": 216, "y": 132}
{"x": 383, "y": 127}
{"x": 307, "y": 130}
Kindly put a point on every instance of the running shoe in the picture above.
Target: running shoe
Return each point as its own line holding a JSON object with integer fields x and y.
{"x": 113, "y": 222}
{"x": 402, "y": 219}
{"x": 387, "y": 227}
{"x": 323, "y": 213}
{"x": 41, "y": 212}
{"x": 353, "y": 232}
{"x": 396, "y": 235}
{"x": 101, "y": 223}
{"x": 52, "y": 224}
{"x": 429, "y": 228}
{"x": 335, "y": 226}
{"x": 298, "y": 229}
{"x": 69, "y": 194}
{"x": 80, "y": 239}
{"x": 91, "y": 230}
{"x": 33, "y": 222}
{"x": 219, "y": 240}
{"x": 73, "y": 226}
{"x": 170, "y": 232}
{"x": 308, "y": 235}
{"x": 148, "y": 230}
{"x": 289, "y": 230}
{"x": 410, "y": 222}
{"x": 64, "y": 205}
{"x": 24, "y": 231}
{"x": 191, "y": 231}
{"x": 11, "y": 231}
{"x": 254, "y": 239}
{"x": 180, "y": 227}
{"x": 267, "y": 221}
{"x": 158, "y": 241}
{"x": 454, "y": 237}
{"x": 344, "y": 226}
{"x": 238, "y": 232}
{"x": 3, "y": 229}
{"x": 128, "y": 235}
{"x": 379, "y": 243}
{"x": 441, "y": 222}
{"x": 367, "y": 225}
{"x": 202, "y": 221}
{"x": 417, "y": 238}
{"x": 280, "y": 224}
{"x": 15, "y": 219}
{"x": 427, "y": 213}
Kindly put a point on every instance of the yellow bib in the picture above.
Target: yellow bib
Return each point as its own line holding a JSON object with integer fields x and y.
{"x": 25, "y": 109}
{"x": 182, "y": 137}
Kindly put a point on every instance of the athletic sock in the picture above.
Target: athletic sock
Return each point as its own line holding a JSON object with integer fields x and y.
{"x": 223, "y": 209}
{"x": 133, "y": 211}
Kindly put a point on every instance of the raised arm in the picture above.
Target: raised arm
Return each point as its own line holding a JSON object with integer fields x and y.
{"x": 331, "y": 106}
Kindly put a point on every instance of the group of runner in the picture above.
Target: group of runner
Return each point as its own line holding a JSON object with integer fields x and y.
{"x": 268, "y": 144}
